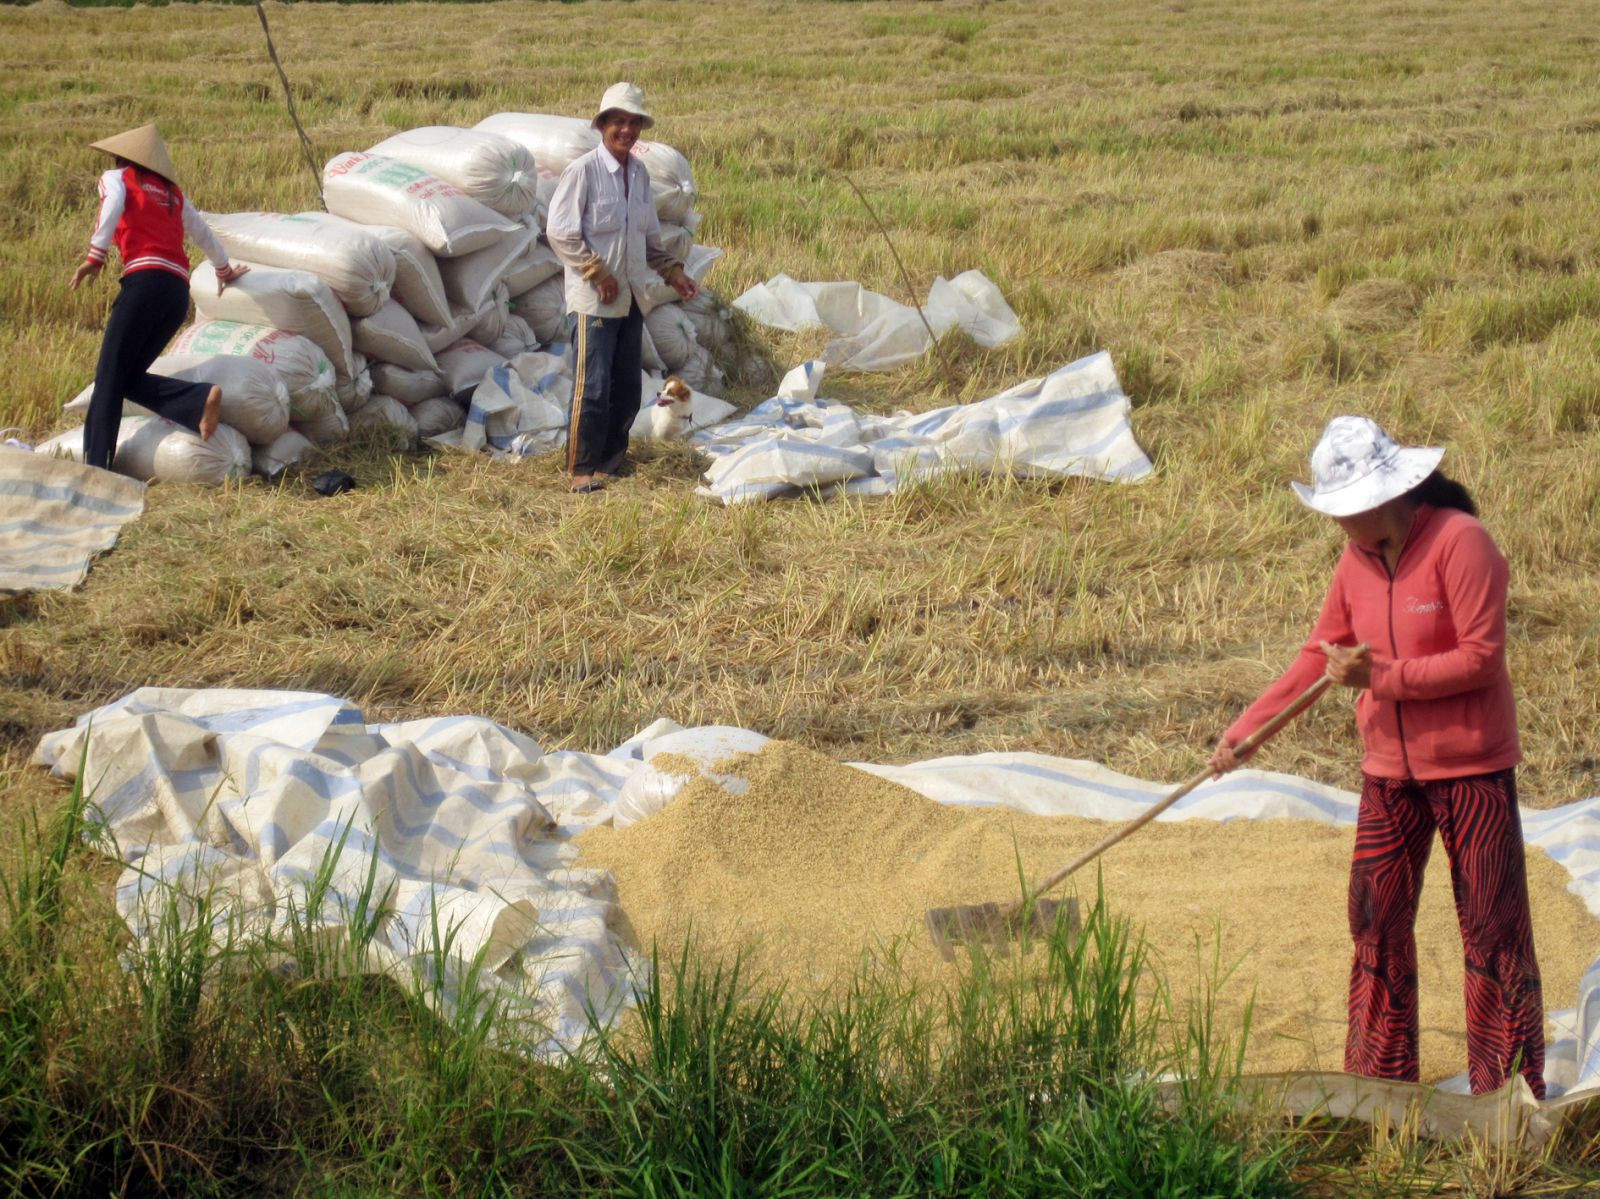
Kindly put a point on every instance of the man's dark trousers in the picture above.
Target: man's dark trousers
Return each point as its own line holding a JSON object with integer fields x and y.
{"x": 605, "y": 390}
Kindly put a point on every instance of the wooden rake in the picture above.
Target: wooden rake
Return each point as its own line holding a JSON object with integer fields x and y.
{"x": 1030, "y": 916}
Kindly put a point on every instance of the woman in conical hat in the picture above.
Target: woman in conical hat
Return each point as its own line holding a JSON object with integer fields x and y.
{"x": 144, "y": 213}
{"x": 1422, "y": 586}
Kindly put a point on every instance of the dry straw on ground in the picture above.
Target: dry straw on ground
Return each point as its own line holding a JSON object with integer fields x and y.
{"x": 1212, "y": 192}
{"x": 818, "y": 863}
{"x": 1204, "y": 205}
{"x": 1374, "y": 305}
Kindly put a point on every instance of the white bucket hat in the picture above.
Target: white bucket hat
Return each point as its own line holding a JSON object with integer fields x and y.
{"x": 143, "y": 146}
{"x": 628, "y": 97}
{"x": 1357, "y": 467}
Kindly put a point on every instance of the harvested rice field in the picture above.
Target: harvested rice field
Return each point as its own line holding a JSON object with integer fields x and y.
{"x": 1266, "y": 217}
{"x": 818, "y": 864}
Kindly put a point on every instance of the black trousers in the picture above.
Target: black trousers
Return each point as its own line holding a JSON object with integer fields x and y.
{"x": 148, "y": 311}
{"x": 606, "y": 390}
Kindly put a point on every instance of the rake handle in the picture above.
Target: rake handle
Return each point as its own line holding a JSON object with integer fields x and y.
{"x": 1251, "y": 743}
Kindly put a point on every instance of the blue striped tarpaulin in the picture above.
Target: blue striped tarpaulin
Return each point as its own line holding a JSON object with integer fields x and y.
{"x": 55, "y": 515}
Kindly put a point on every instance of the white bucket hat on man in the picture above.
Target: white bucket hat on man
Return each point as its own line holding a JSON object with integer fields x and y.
{"x": 628, "y": 97}
{"x": 1357, "y": 467}
{"x": 142, "y": 146}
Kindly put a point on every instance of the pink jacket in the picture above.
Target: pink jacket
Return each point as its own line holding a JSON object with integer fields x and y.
{"x": 1440, "y": 704}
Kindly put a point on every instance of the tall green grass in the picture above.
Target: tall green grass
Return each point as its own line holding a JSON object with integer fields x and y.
{"x": 201, "y": 1060}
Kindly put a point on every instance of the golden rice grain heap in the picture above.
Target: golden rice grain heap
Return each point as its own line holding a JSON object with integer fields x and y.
{"x": 819, "y": 863}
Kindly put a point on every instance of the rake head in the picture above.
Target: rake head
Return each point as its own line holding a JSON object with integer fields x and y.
{"x": 998, "y": 923}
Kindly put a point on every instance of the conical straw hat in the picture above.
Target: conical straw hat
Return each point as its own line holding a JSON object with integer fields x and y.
{"x": 143, "y": 146}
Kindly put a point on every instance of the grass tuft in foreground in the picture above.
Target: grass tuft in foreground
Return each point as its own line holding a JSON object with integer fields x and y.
{"x": 202, "y": 1061}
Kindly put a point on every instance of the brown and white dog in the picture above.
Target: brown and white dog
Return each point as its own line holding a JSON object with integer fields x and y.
{"x": 672, "y": 415}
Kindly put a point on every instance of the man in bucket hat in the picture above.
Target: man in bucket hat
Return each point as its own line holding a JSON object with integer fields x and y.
{"x": 1422, "y": 586}
{"x": 603, "y": 227}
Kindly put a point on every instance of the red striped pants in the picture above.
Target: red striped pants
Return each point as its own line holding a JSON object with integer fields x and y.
{"x": 1478, "y": 822}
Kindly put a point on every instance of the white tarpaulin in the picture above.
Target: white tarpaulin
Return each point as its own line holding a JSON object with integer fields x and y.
{"x": 1075, "y": 421}
{"x": 55, "y": 515}
{"x": 253, "y": 792}
{"x": 522, "y": 407}
{"x": 463, "y": 824}
{"x": 873, "y": 332}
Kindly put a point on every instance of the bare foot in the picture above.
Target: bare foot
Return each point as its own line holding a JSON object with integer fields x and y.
{"x": 585, "y": 484}
{"x": 212, "y": 416}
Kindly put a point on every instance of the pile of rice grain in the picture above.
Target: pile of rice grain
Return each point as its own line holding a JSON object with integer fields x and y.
{"x": 819, "y": 863}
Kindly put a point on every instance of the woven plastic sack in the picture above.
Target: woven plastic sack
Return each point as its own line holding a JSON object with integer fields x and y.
{"x": 673, "y": 334}
{"x": 654, "y": 290}
{"x": 699, "y": 372}
{"x": 648, "y": 358}
{"x": 358, "y": 266}
{"x": 438, "y": 416}
{"x": 552, "y": 140}
{"x": 374, "y": 190}
{"x": 385, "y": 419}
{"x": 254, "y": 400}
{"x": 712, "y": 319}
{"x": 288, "y": 449}
{"x": 159, "y": 449}
{"x": 406, "y": 385}
{"x": 491, "y": 322}
{"x": 545, "y": 309}
{"x": 471, "y": 279}
{"x": 391, "y": 335}
{"x": 442, "y": 337}
{"x": 417, "y": 284}
{"x": 537, "y": 263}
{"x": 516, "y": 338}
{"x": 494, "y": 170}
{"x": 548, "y": 181}
{"x": 294, "y": 301}
{"x": 67, "y": 444}
{"x": 465, "y": 363}
{"x": 676, "y": 240}
{"x": 353, "y": 389}
{"x": 328, "y": 428}
{"x": 671, "y": 181}
{"x": 299, "y": 362}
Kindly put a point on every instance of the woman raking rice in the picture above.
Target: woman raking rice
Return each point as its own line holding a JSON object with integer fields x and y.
{"x": 1423, "y": 585}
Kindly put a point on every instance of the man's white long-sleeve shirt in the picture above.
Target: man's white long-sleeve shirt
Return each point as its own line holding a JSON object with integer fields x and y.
{"x": 596, "y": 214}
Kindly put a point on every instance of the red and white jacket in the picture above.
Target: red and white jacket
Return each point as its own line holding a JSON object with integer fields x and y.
{"x": 146, "y": 217}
